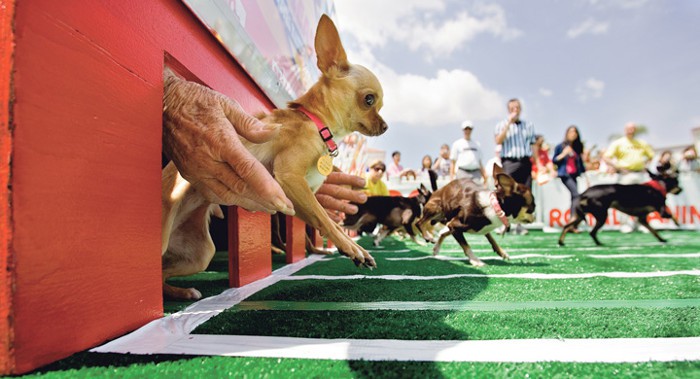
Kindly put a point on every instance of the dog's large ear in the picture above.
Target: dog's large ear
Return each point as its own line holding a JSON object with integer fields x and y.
{"x": 505, "y": 182}
{"x": 497, "y": 169}
{"x": 329, "y": 50}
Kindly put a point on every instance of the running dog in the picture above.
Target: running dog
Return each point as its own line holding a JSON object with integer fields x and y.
{"x": 467, "y": 207}
{"x": 392, "y": 212}
{"x": 636, "y": 200}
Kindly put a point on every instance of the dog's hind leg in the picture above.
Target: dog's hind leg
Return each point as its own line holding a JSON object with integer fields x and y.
{"x": 496, "y": 248}
{"x": 600, "y": 218}
{"x": 643, "y": 221}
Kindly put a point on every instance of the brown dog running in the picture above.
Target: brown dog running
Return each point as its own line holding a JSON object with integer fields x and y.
{"x": 467, "y": 207}
{"x": 347, "y": 98}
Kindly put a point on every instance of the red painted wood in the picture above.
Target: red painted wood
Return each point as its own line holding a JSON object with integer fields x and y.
{"x": 296, "y": 240}
{"x": 85, "y": 221}
{"x": 249, "y": 246}
{"x": 7, "y": 360}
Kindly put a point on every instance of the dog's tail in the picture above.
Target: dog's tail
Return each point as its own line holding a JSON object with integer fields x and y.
{"x": 433, "y": 179}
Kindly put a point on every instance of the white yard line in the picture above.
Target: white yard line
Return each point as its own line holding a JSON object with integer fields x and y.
{"x": 161, "y": 333}
{"x": 616, "y": 274}
{"x": 607, "y": 350}
{"x": 547, "y": 256}
{"x": 461, "y": 305}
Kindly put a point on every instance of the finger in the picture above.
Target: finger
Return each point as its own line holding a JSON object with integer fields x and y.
{"x": 246, "y": 125}
{"x": 341, "y": 178}
{"x": 333, "y": 216}
{"x": 342, "y": 193}
{"x": 215, "y": 191}
{"x": 334, "y": 204}
{"x": 255, "y": 182}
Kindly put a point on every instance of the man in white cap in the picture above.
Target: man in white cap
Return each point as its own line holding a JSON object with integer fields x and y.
{"x": 465, "y": 156}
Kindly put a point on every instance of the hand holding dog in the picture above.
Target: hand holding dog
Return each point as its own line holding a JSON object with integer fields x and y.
{"x": 200, "y": 135}
{"x": 334, "y": 195}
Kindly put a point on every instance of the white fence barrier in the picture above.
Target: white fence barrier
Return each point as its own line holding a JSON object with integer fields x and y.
{"x": 553, "y": 201}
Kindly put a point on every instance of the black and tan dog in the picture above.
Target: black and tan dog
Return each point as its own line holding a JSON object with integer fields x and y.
{"x": 467, "y": 207}
{"x": 636, "y": 200}
{"x": 392, "y": 212}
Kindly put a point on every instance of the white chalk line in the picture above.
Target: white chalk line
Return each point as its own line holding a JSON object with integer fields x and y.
{"x": 607, "y": 350}
{"x": 616, "y": 274}
{"x": 547, "y": 256}
{"x": 159, "y": 334}
{"x": 460, "y": 305}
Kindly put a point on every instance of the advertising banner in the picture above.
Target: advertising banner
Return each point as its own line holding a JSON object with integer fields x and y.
{"x": 272, "y": 39}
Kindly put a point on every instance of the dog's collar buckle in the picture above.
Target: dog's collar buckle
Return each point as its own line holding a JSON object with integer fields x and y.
{"x": 499, "y": 211}
{"x": 323, "y": 131}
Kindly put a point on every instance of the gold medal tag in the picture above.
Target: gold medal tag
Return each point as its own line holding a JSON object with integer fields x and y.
{"x": 325, "y": 165}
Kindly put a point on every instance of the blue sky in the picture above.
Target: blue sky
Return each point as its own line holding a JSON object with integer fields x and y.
{"x": 594, "y": 63}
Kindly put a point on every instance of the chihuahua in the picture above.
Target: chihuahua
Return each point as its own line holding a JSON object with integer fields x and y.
{"x": 465, "y": 206}
{"x": 346, "y": 98}
{"x": 636, "y": 200}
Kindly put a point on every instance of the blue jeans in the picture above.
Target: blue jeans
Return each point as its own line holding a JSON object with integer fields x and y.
{"x": 570, "y": 183}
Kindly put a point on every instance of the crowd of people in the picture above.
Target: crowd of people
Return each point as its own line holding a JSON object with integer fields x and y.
{"x": 528, "y": 158}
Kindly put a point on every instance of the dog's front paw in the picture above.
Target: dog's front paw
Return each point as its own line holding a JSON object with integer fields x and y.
{"x": 476, "y": 262}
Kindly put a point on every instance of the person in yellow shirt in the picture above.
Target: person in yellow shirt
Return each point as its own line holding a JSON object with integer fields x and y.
{"x": 375, "y": 185}
{"x": 628, "y": 157}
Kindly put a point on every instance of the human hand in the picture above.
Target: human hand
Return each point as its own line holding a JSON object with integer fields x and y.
{"x": 334, "y": 194}
{"x": 512, "y": 117}
{"x": 200, "y": 135}
{"x": 567, "y": 150}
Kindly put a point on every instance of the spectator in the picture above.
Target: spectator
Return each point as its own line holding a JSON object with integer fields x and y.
{"x": 662, "y": 163}
{"x": 442, "y": 162}
{"x": 465, "y": 156}
{"x": 396, "y": 170}
{"x": 543, "y": 171}
{"x": 426, "y": 165}
{"x": 568, "y": 156}
{"x": 518, "y": 139}
{"x": 689, "y": 162}
{"x": 375, "y": 185}
{"x": 628, "y": 157}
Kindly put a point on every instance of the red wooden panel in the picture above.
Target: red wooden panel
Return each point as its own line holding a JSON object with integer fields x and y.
{"x": 85, "y": 221}
{"x": 296, "y": 239}
{"x": 249, "y": 246}
{"x": 6, "y": 256}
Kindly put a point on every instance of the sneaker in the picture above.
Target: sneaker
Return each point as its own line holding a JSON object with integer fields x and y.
{"x": 520, "y": 230}
{"x": 626, "y": 229}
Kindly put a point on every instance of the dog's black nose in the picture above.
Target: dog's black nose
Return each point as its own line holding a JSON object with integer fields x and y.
{"x": 384, "y": 127}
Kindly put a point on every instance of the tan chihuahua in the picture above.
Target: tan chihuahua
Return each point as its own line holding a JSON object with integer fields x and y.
{"x": 347, "y": 98}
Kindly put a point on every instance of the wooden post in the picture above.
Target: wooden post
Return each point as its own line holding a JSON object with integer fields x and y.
{"x": 250, "y": 254}
{"x": 296, "y": 239}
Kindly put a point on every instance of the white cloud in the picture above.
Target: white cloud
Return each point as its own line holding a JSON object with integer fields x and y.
{"x": 546, "y": 92}
{"x": 420, "y": 24}
{"x": 590, "y": 26}
{"x": 591, "y": 88}
{"x": 445, "y": 96}
{"x": 622, "y": 4}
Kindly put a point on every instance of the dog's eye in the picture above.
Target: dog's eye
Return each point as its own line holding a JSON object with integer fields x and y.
{"x": 369, "y": 100}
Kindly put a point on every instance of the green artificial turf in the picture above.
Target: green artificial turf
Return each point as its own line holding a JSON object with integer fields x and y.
{"x": 543, "y": 323}
{"x": 86, "y": 365}
{"x": 451, "y": 325}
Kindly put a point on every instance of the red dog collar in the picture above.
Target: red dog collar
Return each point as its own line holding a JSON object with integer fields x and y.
{"x": 499, "y": 211}
{"x": 657, "y": 186}
{"x": 323, "y": 131}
